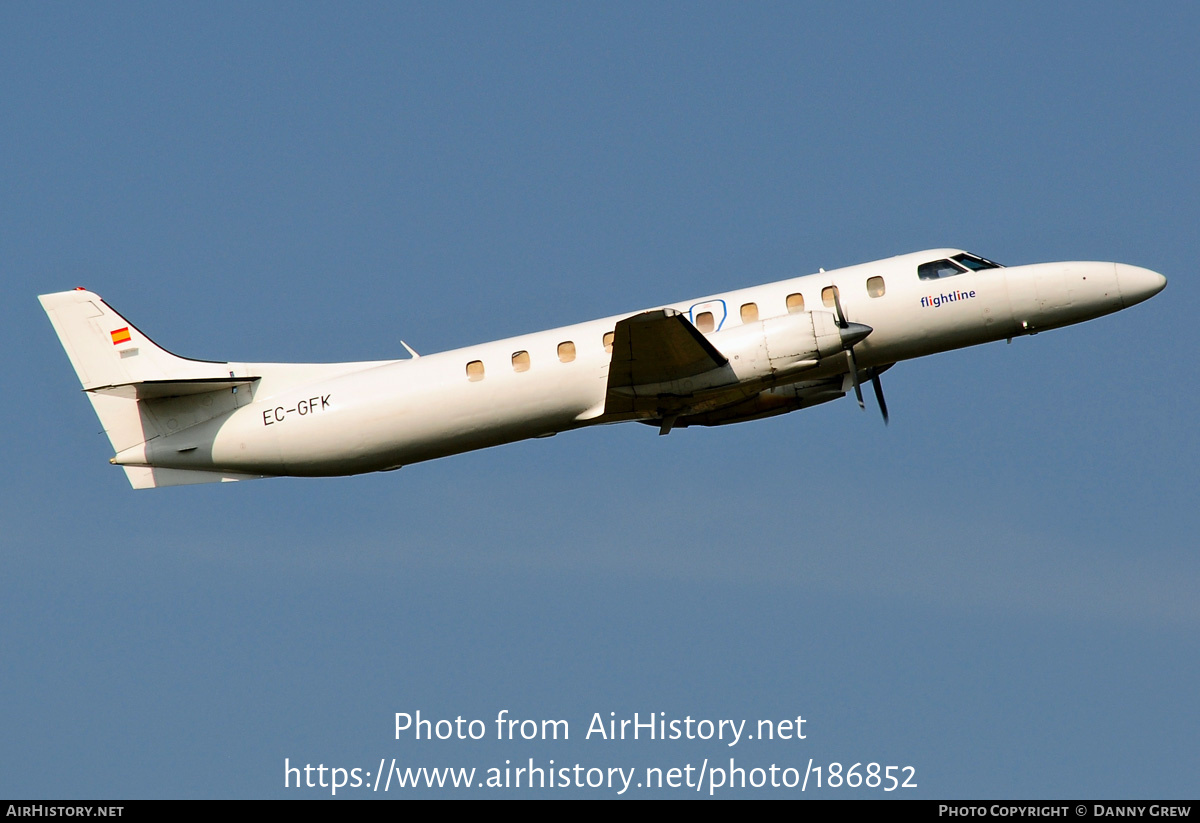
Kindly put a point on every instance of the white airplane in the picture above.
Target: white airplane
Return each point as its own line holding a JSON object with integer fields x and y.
{"x": 727, "y": 358}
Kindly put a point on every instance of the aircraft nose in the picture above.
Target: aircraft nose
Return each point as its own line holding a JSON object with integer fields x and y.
{"x": 1137, "y": 284}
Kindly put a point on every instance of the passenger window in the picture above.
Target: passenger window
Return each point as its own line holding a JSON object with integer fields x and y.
{"x": 875, "y": 286}
{"x": 827, "y": 294}
{"x": 704, "y": 321}
{"x": 795, "y": 303}
{"x": 566, "y": 351}
{"x": 938, "y": 269}
{"x": 475, "y": 370}
{"x": 608, "y": 338}
{"x": 749, "y": 312}
{"x": 521, "y": 361}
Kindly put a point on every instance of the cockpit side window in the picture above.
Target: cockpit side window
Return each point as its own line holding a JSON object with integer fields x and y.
{"x": 938, "y": 269}
{"x": 974, "y": 262}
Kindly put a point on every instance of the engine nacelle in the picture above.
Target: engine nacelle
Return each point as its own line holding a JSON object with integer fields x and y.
{"x": 758, "y": 357}
{"x": 778, "y": 347}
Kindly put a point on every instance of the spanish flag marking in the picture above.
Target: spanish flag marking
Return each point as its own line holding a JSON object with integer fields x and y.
{"x": 120, "y": 336}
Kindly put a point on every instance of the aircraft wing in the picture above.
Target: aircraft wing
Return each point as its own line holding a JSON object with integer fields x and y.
{"x": 658, "y": 347}
{"x": 654, "y": 354}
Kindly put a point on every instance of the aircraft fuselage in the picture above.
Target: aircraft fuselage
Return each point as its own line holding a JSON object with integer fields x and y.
{"x": 779, "y": 340}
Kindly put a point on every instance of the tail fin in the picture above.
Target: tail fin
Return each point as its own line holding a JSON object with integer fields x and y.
{"x": 140, "y": 390}
{"x": 107, "y": 350}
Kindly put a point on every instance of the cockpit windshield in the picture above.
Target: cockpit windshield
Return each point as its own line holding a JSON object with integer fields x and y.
{"x": 974, "y": 262}
{"x": 938, "y": 269}
{"x": 958, "y": 264}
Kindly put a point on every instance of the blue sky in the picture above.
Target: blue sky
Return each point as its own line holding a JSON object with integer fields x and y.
{"x": 998, "y": 589}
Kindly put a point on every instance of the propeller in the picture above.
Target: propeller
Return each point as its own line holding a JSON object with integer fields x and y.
{"x": 879, "y": 395}
{"x": 852, "y": 333}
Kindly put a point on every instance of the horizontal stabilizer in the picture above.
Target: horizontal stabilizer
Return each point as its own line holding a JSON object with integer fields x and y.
{"x": 145, "y": 477}
{"x": 159, "y": 389}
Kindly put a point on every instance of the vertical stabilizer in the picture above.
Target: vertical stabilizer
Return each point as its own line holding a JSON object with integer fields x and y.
{"x": 138, "y": 389}
{"x": 107, "y": 350}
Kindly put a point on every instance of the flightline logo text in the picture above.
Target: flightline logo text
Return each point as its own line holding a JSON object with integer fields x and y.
{"x": 934, "y": 301}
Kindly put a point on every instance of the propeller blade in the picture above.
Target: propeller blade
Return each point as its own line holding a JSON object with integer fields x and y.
{"x": 851, "y": 334}
{"x": 837, "y": 304}
{"x": 854, "y": 377}
{"x": 878, "y": 386}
